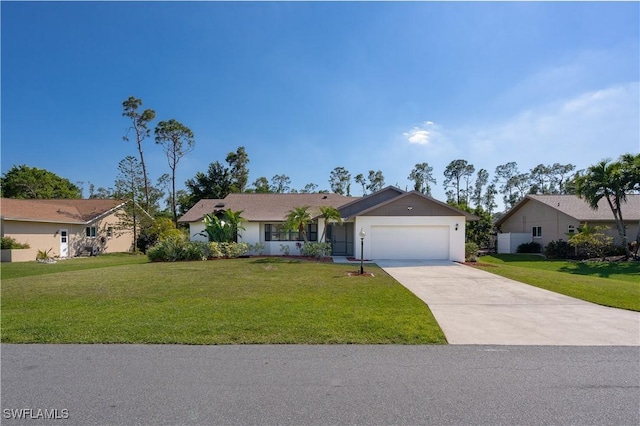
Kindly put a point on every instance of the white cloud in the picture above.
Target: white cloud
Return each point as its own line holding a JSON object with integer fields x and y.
{"x": 581, "y": 130}
{"x": 417, "y": 136}
{"x": 421, "y": 135}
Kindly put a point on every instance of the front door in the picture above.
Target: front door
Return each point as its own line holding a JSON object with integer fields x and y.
{"x": 341, "y": 237}
{"x": 64, "y": 243}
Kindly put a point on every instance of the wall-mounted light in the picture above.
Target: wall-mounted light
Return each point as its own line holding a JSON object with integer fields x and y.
{"x": 456, "y": 226}
{"x": 55, "y": 234}
{"x": 409, "y": 207}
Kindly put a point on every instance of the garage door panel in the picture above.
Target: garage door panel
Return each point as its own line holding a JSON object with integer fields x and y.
{"x": 409, "y": 242}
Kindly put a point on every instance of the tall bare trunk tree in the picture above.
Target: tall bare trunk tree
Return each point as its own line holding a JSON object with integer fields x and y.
{"x": 140, "y": 129}
{"x": 177, "y": 141}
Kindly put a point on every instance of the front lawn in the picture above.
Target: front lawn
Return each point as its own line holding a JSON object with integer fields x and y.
{"x": 263, "y": 300}
{"x": 615, "y": 284}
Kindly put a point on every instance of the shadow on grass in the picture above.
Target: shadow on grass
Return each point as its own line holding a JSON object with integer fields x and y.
{"x": 601, "y": 269}
{"x": 520, "y": 257}
{"x": 276, "y": 260}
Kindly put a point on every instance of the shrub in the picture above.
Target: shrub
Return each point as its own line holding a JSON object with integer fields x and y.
{"x": 222, "y": 228}
{"x": 317, "y": 250}
{"x": 284, "y": 248}
{"x": 237, "y": 249}
{"x": 227, "y": 250}
{"x": 172, "y": 249}
{"x": 214, "y": 250}
{"x": 9, "y": 243}
{"x": 471, "y": 252}
{"x": 159, "y": 229}
{"x": 531, "y": 247}
{"x": 558, "y": 250}
{"x": 256, "y": 248}
{"x": 43, "y": 256}
{"x": 615, "y": 250}
{"x": 591, "y": 241}
{"x": 195, "y": 250}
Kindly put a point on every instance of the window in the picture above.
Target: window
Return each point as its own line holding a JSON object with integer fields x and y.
{"x": 571, "y": 229}
{"x": 277, "y": 232}
{"x": 110, "y": 232}
{"x": 537, "y": 231}
{"x": 90, "y": 231}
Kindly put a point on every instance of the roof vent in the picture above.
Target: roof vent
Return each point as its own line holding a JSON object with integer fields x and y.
{"x": 220, "y": 205}
{"x": 324, "y": 197}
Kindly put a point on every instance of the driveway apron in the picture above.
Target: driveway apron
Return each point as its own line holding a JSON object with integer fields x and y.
{"x": 476, "y": 307}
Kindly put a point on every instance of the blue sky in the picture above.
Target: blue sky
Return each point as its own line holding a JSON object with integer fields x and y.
{"x": 306, "y": 87}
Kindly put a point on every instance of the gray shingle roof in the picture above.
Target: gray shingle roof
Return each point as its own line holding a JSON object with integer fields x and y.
{"x": 264, "y": 207}
{"x": 579, "y": 209}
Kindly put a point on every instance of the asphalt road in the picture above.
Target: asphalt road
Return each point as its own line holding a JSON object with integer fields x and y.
{"x": 320, "y": 385}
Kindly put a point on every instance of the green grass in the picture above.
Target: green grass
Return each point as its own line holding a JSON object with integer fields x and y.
{"x": 27, "y": 269}
{"x": 615, "y": 284}
{"x": 268, "y": 300}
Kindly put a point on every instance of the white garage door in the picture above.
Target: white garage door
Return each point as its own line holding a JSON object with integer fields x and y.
{"x": 409, "y": 242}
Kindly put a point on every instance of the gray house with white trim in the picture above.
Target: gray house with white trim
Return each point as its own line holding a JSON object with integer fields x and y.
{"x": 397, "y": 224}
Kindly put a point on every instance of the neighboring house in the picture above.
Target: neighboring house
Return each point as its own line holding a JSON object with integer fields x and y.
{"x": 397, "y": 224}
{"x": 67, "y": 227}
{"x": 546, "y": 218}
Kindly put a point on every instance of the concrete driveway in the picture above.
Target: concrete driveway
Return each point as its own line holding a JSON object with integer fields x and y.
{"x": 477, "y": 307}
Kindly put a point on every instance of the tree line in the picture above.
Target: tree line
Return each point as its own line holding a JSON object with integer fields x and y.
{"x": 465, "y": 188}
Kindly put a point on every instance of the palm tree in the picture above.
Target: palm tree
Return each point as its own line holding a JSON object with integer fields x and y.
{"x": 298, "y": 219}
{"x": 605, "y": 180}
{"x": 330, "y": 214}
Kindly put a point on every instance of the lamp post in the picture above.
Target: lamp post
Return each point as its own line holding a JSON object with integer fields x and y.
{"x": 362, "y": 235}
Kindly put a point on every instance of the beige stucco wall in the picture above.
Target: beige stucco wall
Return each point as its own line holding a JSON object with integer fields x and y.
{"x": 555, "y": 224}
{"x": 45, "y": 236}
{"x": 19, "y": 255}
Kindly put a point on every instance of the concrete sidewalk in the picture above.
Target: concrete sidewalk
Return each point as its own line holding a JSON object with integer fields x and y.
{"x": 476, "y": 307}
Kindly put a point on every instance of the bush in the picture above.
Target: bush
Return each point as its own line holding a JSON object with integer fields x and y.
{"x": 317, "y": 250}
{"x": 214, "y": 250}
{"x": 531, "y": 247}
{"x": 9, "y": 243}
{"x": 227, "y": 250}
{"x": 471, "y": 252}
{"x": 159, "y": 229}
{"x": 172, "y": 249}
{"x": 257, "y": 248}
{"x": 559, "y": 250}
{"x": 591, "y": 241}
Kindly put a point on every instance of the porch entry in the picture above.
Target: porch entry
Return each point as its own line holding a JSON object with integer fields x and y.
{"x": 341, "y": 238}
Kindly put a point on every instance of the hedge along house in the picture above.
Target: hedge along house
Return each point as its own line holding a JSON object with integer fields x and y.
{"x": 397, "y": 224}
{"x": 66, "y": 227}
{"x": 263, "y": 217}
{"x": 546, "y": 218}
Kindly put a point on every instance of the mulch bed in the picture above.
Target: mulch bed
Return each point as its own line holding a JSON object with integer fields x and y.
{"x": 307, "y": 258}
{"x": 489, "y": 265}
{"x": 357, "y": 274}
